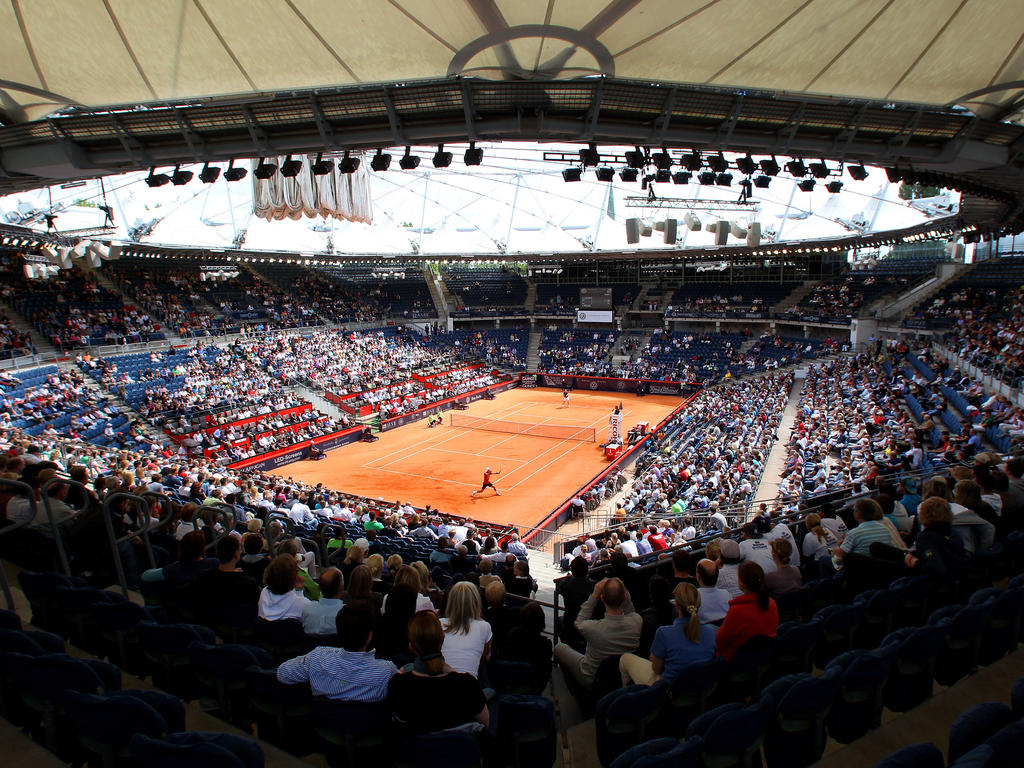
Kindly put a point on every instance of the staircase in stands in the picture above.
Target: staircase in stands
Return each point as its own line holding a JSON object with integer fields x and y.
{"x": 532, "y": 354}
{"x": 434, "y": 286}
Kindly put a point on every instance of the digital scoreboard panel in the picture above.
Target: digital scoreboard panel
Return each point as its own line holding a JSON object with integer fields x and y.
{"x": 595, "y": 298}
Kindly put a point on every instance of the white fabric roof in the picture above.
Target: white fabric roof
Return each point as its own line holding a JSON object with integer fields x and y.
{"x": 102, "y": 52}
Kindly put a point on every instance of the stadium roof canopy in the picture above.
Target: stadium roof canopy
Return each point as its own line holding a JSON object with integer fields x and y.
{"x": 96, "y": 87}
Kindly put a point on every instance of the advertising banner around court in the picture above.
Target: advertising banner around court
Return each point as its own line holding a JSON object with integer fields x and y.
{"x": 528, "y": 380}
{"x": 297, "y": 452}
{"x": 444, "y": 405}
{"x": 604, "y": 384}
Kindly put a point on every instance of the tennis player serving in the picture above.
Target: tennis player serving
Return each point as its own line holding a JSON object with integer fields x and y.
{"x": 487, "y": 483}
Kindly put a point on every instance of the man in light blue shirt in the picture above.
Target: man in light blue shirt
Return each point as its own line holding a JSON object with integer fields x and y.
{"x": 349, "y": 673}
{"x": 319, "y": 617}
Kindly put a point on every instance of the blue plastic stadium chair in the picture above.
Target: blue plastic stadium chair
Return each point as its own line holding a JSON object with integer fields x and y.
{"x": 962, "y": 646}
{"x": 689, "y": 694}
{"x": 104, "y": 725}
{"x": 794, "y": 646}
{"x": 282, "y": 712}
{"x": 1007, "y": 745}
{"x": 857, "y": 707}
{"x": 165, "y": 646}
{"x": 456, "y": 748}
{"x": 197, "y": 749}
{"x": 797, "y": 736}
{"x": 9, "y": 619}
{"x": 913, "y": 670}
{"x": 220, "y": 671}
{"x": 732, "y": 733}
{"x": 625, "y": 717}
{"x": 921, "y": 755}
{"x": 976, "y": 726}
{"x": 351, "y": 733}
{"x": 524, "y": 730}
{"x": 838, "y": 625}
{"x": 1004, "y": 623}
{"x": 979, "y": 757}
{"x": 662, "y": 753}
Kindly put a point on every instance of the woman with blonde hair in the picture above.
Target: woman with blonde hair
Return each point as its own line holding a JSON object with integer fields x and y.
{"x": 819, "y": 541}
{"x": 467, "y": 637}
{"x": 409, "y": 576}
{"x": 683, "y": 642}
{"x": 353, "y": 557}
{"x": 427, "y": 588}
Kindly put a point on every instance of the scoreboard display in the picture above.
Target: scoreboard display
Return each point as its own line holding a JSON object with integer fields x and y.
{"x": 595, "y": 298}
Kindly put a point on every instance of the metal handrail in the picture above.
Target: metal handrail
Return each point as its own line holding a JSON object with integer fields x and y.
{"x": 144, "y": 522}
{"x": 23, "y": 489}
{"x": 222, "y": 515}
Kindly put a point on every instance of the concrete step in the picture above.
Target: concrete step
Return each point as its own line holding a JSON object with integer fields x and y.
{"x": 18, "y": 321}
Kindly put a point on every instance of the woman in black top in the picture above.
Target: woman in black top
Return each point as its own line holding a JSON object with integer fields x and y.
{"x": 526, "y": 642}
{"x": 428, "y": 695}
{"x": 938, "y": 552}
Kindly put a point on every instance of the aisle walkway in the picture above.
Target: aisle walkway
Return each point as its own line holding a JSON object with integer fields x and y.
{"x": 769, "y": 486}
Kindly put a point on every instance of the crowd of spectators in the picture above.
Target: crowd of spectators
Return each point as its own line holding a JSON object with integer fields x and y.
{"x": 12, "y": 341}
{"x": 577, "y": 352}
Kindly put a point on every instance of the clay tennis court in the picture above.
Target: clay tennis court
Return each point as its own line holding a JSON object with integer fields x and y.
{"x": 442, "y": 466}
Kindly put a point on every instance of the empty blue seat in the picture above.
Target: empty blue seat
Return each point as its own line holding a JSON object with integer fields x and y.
{"x": 624, "y": 718}
{"x": 976, "y": 726}
{"x": 663, "y": 753}
{"x": 921, "y": 755}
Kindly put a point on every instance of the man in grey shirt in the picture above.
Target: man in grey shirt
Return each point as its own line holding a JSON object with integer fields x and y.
{"x": 714, "y": 601}
{"x": 617, "y": 633}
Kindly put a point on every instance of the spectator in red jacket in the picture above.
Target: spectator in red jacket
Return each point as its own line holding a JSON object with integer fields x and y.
{"x": 656, "y": 539}
{"x": 751, "y": 614}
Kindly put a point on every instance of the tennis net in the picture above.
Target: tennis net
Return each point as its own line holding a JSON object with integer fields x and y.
{"x": 583, "y": 434}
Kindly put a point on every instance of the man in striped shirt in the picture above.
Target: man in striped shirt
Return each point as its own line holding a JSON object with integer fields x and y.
{"x": 870, "y": 529}
{"x": 349, "y": 673}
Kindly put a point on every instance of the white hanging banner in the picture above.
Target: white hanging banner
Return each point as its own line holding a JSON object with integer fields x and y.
{"x": 336, "y": 195}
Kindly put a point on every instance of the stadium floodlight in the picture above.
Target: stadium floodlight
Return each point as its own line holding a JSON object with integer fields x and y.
{"x": 707, "y": 178}
{"x": 628, "y": 175}
{"x": 662, "y": 160}
{"x": 857, "y": 172}
{"x": 834, "y": 187}
{"x": 692, "y": 162}
{"x": 409, "y": 162}
{"x": 681, "y": 177}
{"x": 762, "y": 182}
{"x": 604, "y": 173}
{"x": 264, "y": 170}
{"x": 636, "y": 158}
{"x": 348, "y": 164}
{"x": 234, "y": 174}
{"x": 724, "y": 180}
{"x": 819, "y": 170}
{"x": 572, "y": 174}
{"x": 322, "y": 167}
{"x": 894, "y": 174}
{"x": 746, "y": 165}
{"x": 442, "y": 159}
{"x": 718, "y": 163}
{"x": 290, "y": 168}
{"x": 180, "y": 178}
{"x": 807, "y": 185}
{"x": 590, "y": 156}
{"x": 209, "y": 174}
{"x": 473, "y": 156}
{"x": 796, "y": 168}
{"x": 380, "y": 161}
{"x": 663, "y": 176}
{"x": 157, "y": 179}
{"x": 770, "y": 166}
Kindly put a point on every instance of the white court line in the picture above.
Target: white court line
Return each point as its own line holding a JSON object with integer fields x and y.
{"x": 560, "y": 456}
{"x": 403, "y": 453}
{"x": 481, "y": 455}
{"x": 552, "y": 448}
{"x": 426, "y": 477}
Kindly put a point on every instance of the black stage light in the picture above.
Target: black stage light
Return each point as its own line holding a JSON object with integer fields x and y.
{"x": 442, "y": 159}
{"x": 663, "y": 176}
{"x": 590, "y": 156}
{"x": 348, "y": 164}
{"x": 807, "y": 185}
{"x": 473, "y": 156}
{"x": 718, "y": 163}
{"x": 834, "y": 187}
{"x": 724, "y": 180}
{"x": 290, "y": 168}
{"x": 180, "y": 178}
{"x": 380, "y": 161}
{"x": 707, "y": 178}
{"x": 321, "y": 167}
{"x": 636, "y": 158}
{"x": 746, "y": 165}
{"x": 604, "y": 173}
{"x": 681, "y": 177}
{"x": 408, "y": 162}
{"x": 209, "y": 174}
{"x": 796, "y": 168}
{"x": 762, "y": 182}
{"x": 157, "y": 179}
{"x": 572, "y": 174}
{"x": 819, "y": 170}
{"x": 692, "y": 162}
{"x": 894, "y": 175}
{"x": 662, "y": 160}
{"x": 857, "y": 172}
{"x": 770, "y": 166}
{"x": 628, "y": 174}
{"x": 235, "y": 174}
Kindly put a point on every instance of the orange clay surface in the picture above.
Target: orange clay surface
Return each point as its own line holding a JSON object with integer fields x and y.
{"x": 442, "y": 466}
